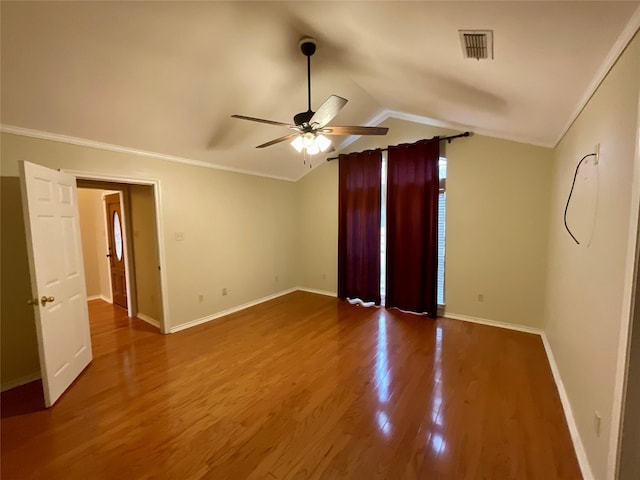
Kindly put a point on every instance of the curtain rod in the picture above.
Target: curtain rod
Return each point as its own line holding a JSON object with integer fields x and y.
{"x": 448, "y": 139}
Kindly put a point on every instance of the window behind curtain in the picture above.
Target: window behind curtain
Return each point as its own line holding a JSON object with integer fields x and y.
{"x": 412, "y": 228}
{"x": 442, "y": 210}
{"x": 442, "y": 201}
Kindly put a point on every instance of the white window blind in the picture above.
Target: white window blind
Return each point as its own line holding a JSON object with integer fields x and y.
{"x": 442, "y": 211}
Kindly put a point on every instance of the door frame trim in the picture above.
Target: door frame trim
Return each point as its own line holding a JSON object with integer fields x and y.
{"x": 628, "y": 321}
{"x": 157, "y": 196}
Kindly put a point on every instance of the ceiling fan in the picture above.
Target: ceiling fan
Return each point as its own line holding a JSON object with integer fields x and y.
{"x": 311, "y": 127}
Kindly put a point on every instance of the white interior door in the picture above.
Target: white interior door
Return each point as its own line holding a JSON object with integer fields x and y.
{"x": 50, "y": 204}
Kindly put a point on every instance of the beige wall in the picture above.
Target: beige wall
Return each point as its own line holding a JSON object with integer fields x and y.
{"x": 239, "y": 230}
{"x": 94, "y": 250}
{"x": 317, "y": 198}
{"x": 497, "y": 217}
{"x": 19, "y": 348}
{"x": 145, "y": 251}
{"x": 585, "y": 282}
{"x": 497, "y": 220}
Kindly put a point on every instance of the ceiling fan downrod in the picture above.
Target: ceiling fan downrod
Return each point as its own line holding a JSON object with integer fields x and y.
{"x": 308, "y": 48}
{"x": 311, "y": 128}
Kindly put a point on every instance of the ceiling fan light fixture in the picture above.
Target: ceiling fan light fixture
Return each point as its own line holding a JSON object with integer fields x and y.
{"x": 308, "y": 140}
{"x": 313, "y": 149}
{"x": 322, "y": 142}
{"x": 310, "y": 143}
{"x": 297, "y": 144}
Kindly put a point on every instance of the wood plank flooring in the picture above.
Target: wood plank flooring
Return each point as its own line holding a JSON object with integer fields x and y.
{"x": 301, "y": 387}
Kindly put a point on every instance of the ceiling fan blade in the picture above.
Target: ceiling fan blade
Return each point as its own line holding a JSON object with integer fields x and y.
{"x": 328, "y": 110}
{"x": 354, "y": 131}
{"x": 291, "y": 136}
{"x": 262, "y": 120}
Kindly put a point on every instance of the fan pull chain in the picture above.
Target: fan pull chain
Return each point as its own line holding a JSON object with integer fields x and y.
{"x": 304, "y": 158}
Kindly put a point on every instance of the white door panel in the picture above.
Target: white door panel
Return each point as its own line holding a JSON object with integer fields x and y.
{"x": 55, "y": 260}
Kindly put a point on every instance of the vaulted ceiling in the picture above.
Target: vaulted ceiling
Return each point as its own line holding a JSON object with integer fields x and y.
{"x": 165, "y": 77}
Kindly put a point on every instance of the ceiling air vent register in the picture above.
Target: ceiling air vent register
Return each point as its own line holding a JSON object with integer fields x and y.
{"x": 477, "y": 44}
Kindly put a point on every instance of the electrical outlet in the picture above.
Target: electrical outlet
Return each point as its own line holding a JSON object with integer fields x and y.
{"x": 275, "y": 279}
{"x": 481, "y": 297}
{"x": 596, "y": 150}
{"x": 597, "y": 420}
{"x": 224, "y": 292}
{"x": 200, "y": 298}
{"x": 179, "y": 236}
{"x": 324, "y": 276}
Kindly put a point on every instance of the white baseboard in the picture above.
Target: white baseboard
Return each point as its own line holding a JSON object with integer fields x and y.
{"x": 319, "y": 292}
{"x": 149, "y": 320}
{"x": 99, "y": 297}
{"x": 494, "y": 323}
{"x": 578, "y": 446}
{"x": 32, "y": 377}
{"x": 568, "y": 413}
{"x": 229, "y": 311}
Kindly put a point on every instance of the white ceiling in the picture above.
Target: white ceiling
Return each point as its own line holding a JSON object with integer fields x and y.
{"x": 165, "y": 77}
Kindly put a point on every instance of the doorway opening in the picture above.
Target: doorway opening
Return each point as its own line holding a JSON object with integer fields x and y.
{"x": 121, "y": 249}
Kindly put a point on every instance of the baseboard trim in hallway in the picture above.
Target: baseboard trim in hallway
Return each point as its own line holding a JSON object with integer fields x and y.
{"x": 18, "y": 382}
{"x": 149, "y": 320}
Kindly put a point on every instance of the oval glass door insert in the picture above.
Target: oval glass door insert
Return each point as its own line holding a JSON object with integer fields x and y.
{"x": 117, "y": 235}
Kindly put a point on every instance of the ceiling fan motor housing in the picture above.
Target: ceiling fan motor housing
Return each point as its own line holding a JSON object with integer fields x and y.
{"x": 308, "y": 46}
{"x": 303, "y": 118}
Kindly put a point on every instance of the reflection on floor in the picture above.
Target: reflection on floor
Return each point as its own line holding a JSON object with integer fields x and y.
{"x": 111, "y": 327}
{"x": 303, "y": 386}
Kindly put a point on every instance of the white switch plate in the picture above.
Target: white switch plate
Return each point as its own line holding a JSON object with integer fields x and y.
{"x": 596, "y": 150}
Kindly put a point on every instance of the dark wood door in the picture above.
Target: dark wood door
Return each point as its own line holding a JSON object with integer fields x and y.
{"x": 116, "y": 250}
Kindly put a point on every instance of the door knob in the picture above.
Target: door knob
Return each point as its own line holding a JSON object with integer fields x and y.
{"x": 46, "y": 299}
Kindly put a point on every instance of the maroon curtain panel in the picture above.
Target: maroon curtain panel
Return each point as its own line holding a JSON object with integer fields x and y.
{"x": 412, "y": 227}
{"x": 359, "y": 226}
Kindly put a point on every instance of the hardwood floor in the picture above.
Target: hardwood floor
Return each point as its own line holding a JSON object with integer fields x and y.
{"x": 303, "y": 386}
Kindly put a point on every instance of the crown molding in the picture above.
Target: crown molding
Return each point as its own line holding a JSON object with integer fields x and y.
{"x": 610, "y": 60}
{"x": 409, "y": 117}
{"x": 26, "y": 132}
{"x": 620, "y": 45}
